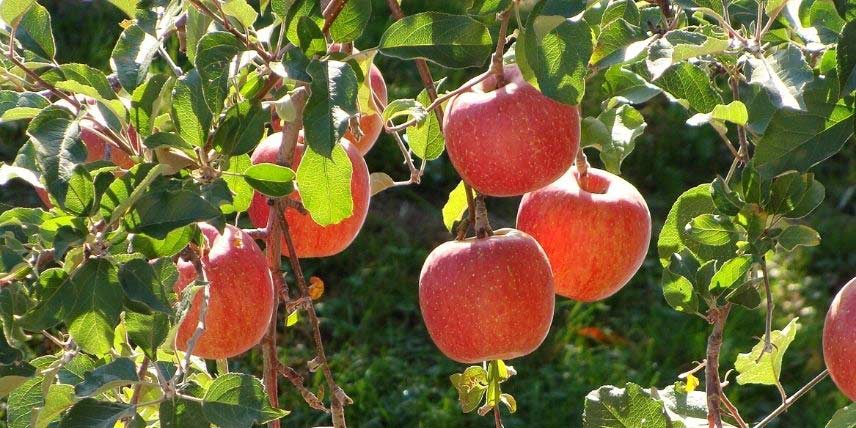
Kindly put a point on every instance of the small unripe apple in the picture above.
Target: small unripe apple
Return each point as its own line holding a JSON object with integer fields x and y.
{"x": 310, "y": 238}
{"x": 241, "y": 295}
{"x": 510, "y": 140}
{"x": 839, "y": 340}
{"x": 595, "y": 231}
{"x": 487, "y": 298}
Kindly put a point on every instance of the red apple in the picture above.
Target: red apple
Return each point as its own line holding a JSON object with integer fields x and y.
{"x": 487, "y": 298}
{"x": 595, "y": 231}
{"x": 310, "y": 238}
{"x": 510, "y": 140}
{"x": 96, "y": 146}
{"x": 839, "y": 340}
{"x": 241, "y": 300}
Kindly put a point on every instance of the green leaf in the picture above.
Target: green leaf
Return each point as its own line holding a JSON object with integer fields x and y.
{"x": 271, "y": 179}
{"x": 11, "y": 10}
{"x": 125, "y": 190}
{"x": 784, "y": 73}
{"x": 553, "y": 54}
{"x": 147, "y": 284}
{"x": 730, "y": 274}
{"x": 95, "y": 305}
{"x": 91, "y": 413}
{"x": 679, "y": 45}
{"x": 297, "y": 10}
{"x": 350, "y": 23}
{"x": 190, "y": 113}
{"x": 214, "y": 55}
{"x": 127, "y": 6}
{"x": 158, "y": 213}
{"x": 14, "y": 104}
{"x": 196, "y": 27}
{"x": 242, "y": 11}
{"x": 59, "y": 398}
{"x": 613, "y": 407}
{"x": 325, "y": 185}
{"x": 310, "y": 38}
{"x": 798, "y": 140}
{"x": 145, "y": 104}
{"x": 242, "y": 128}
{"x": 238, "y": 400}
{"x": 679, "y": 278}
{"x": 455, "y": 206}
{"x": 754, "y": 368}
{"x": 408, "y": 108}
{"x": 23, "y": 401}
{"x": 242, "y": 192}
{"x": 81, "y": 193}
{"x": 488, "y": 7}
{"x": 614, "y": 38}
{"x": 734, "y": 112}
{"x": 690, "y": 86}
{"x": 674, "y": 236}
{"x": 333, "y": 101}
{"x": 119, "y": 372}
{"x": 621, "y": 9}
{"x": 627, "y": 86}
{"x": 133, "y": 56}
{"x": 726, "y": 200}
{"x": 13, "y": 376}
{"x": 147, "y": 331}
{"x": 53, "y": 291}
{"x": 86, "y": 80}
{"x": 181, "y": 413}
{"x": 472, "y": 386}
{"x": 34, "y": 32}
{"x": 843, "y": 418}
{"x": 426, "y": 138}
{"x": 799, "y": 235}
{"x": 452, "y": 41}
{"x": 846, "y": 51}
{"x": 712, "y": 230}
{"x": 624, "y": 125}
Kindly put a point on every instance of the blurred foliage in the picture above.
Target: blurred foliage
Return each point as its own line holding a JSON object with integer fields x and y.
{"x": 379, "y": 347}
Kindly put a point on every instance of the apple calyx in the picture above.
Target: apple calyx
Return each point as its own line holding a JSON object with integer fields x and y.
{"x": 479, "y": 384}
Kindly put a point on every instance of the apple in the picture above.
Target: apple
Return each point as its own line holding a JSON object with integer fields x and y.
{"x": 241, "y": 297}
{"x": 839, "y": 340}
{"x": 510, "y": 140}
{"x": 310, "y": 238}
{"x": 487, "y": 298}
{"x": 595, "y": 231}
{"x": 96, "y": 146}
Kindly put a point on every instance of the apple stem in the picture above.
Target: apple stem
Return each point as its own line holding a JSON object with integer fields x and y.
{"x": 713, "y": 385}
{"x": 496, "y": 67}
{"x": 482, "y": 223}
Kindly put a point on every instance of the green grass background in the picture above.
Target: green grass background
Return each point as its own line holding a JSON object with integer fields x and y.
{"x": 379, "y": 348}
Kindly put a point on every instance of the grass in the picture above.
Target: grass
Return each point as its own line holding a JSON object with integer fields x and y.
{"x": 380, "y": 350}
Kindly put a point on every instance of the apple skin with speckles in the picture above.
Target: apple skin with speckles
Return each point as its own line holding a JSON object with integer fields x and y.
{"x": 510, "y": 140}
{"x": 488, "y": 298}
{"x": 311, "y": 239}
{"x": 839, "y": 340}
{"x": 596, "y": 234}
{"x": 241, "y": 299}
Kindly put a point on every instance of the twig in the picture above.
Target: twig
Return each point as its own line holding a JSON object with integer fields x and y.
{"x": 228, "y": 27}
{"x": 331, "y": 12}
{"x": 440, "y": 100}
{"x": 269, "y": 355}
{"x": 713, "y": 385}
{"x": 793, "y": 398}
{"x": 176, "y": 70}
{"x": 743, "y": 152}
{"x": 497, "y": 418}
{"x": 768, "y": 328}
{"x": 733, "y": 410}
{"x": 135, "y": 397}
{"x": 297, "y": 381}
{"x": 42, "y": 82}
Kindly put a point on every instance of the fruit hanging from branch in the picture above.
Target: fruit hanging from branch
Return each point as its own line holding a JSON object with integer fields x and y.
{"x": 487, "y": 298}
{"x": 595, "y": 230}
{"x": 241, "y": 292}
{"x": 839, "y": 340}
{"x": 509, "y": 140}
{"x": 310, "y": 238}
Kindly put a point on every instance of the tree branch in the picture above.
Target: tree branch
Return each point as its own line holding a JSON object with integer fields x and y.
{"x": 797, "y": 395}
{"x": 713, "y": 385}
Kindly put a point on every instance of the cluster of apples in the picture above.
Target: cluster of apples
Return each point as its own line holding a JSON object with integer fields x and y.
{"x": 582, "y": 236}
{"x": 241, "y": 292}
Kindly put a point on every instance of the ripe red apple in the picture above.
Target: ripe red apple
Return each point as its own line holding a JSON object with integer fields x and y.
{"x": 241, "y": 300}
{"x": 595, "y": 231}
{"x": 487, "y": 298}
{"x": 510, "y": 140}
{"x": 96, "y": 146}
{"x": 839, "y": 340}
{"x": 310, "y": 238}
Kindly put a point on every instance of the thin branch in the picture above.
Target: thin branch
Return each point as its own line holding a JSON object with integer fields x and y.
{"x": 497, "y": 418}
{"x": 135, "y": 397}
{"x": 733, "y": 410}
{"x": 713, "y": 386}
{"x": 33, "y": 75}
{"x": 176, "y": 70}
{"x": 439, "y": 101}
{"x": 297, "y": 380}
{"x": 269, "y": 354}
{"x": 331, "y": 12}
{"x": 228, "y": 27}
{"x": 790, "y": 401}
{"x": 768, "y": 327}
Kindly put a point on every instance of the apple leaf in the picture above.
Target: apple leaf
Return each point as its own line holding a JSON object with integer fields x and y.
{"x": 34, "y": 32}
{"x": 242, "y": 128}
{"x": 242, "y": 192}
{"x": 23, "y": 401}
{"x": 146, "y": 103}
{"x": 623, "y": 124}
{"x": 158, "y": 213}
{"x": 798, "y": 235}
{"x": 241, "y": 11}
{"x": 679, "y": 45}
{"x": 147, "y": 331}
{"x": 488, "y": 7}
{"x": 846, "y": 51}
{"x": 758, "y": 369}
{"x": 631, "y": 406}
{"x": 55, "y": 135}
{"x": 324, "y": 184}
{"x": 409, "y": 108}
{"x": 455, "y": 206}
{"x": 380, "y": 181}
{"x": 196, "y": 27}
{"x": 628, "y": 87}
{"x": 182, "y": 413}
{"x": 239, "y": 401}
{"x": 214, "y": 55}
{"x": 333, "y": 101}
{"x": 148, "y": 285}
{"x": 553, "y": 54}
{"x": 351, "y": 22}
{"x": 92, "y": 413}
{"x": 133, "y": 56}
{"x": 190, "y": 113}
{"x": 674, "y": 235}
{"x": 114, "y": 374}
{"x": 712, "y": 230}
{"x": 58, "y": 399}
{"x": 731, "y": 273}
{"x": 689, "y": 86}
{"x": 13, "y": 376}
{"x": 297, "y": 10}
{"x": 94, "y": 306}
{"x": 734, "y": 112}
{"x": 426, "y": 138}
{"x": 843, "y": 418}
{"x": 11, "y": 10}
{"x": 452, "y": 41}
{"x": 784, "y": 73}
{"x": 270, "y": 179}
{"x": 615, "y": 37}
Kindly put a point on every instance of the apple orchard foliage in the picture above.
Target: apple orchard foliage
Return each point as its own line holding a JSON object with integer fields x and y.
{"x": 93, "y": 273}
